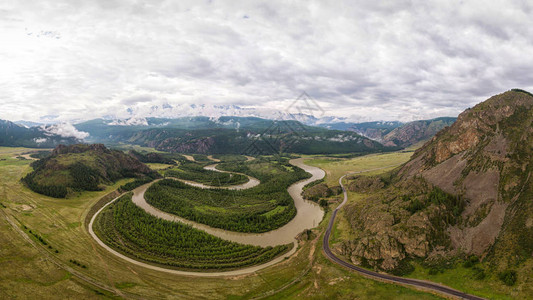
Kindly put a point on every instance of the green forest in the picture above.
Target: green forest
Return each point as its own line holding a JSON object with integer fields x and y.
{"x": 195, "y": 172}
{"x": 83, "y": 167}
{"x": 132, "y": 231}
{"x": 259, "y": 209}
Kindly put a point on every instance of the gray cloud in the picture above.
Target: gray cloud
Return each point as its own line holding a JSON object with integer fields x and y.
{"x": 370, "y": 61}
{"x": 64, "y": 130}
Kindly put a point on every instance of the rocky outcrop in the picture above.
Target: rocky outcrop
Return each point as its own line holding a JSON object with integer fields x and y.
{"x": 80, "y": 148}
{"x": 416, "y": 131}
{"x": 321, "y": 190}
{"x": 482, "y": 165}
{"x": 364, "y": 184}
{"x": 386, "y": 232}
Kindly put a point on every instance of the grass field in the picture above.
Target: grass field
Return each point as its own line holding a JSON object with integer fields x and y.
{"x": 336, "y": 167}
{"x": 26, "y": 273}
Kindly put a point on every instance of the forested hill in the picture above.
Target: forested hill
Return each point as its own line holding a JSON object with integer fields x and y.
{"x": 82, "y": 167}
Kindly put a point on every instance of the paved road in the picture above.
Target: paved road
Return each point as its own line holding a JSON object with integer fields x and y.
{"x": 375, "y": 275}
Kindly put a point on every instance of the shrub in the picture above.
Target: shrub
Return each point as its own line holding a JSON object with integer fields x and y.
{"x": 471, "y": 261}
{"x": 415, "y": 206}
{"x": 403, "y": 268}
{"x": 479, "y": 273}
{"x": 434, "y": 271}
{"x": 508, "y": 277}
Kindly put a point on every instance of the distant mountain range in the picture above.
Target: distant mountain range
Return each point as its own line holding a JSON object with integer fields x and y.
{"x": 49, "y": 136}
{"x": 395, "y": 133}
{"x": 228, "y": 134}
{"x": 228, "y": 129}
{"x": 298, "y": 111}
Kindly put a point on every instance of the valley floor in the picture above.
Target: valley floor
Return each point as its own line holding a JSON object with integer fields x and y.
{"x": 81, "y": 269}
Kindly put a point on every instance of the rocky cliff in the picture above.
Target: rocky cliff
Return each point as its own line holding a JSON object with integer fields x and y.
{"x": 466, "y": 191}
{"x": 416, "y": 131}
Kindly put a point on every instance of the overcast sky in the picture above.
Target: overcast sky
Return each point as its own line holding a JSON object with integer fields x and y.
{"x": 364, "y": 60}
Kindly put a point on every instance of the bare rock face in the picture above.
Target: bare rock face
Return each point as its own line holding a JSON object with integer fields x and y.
{"x": 482, "y": 165}
{"x": 387, "y": 232}
{"x": 478, "y": 239}
{"x": 414, "y": 132}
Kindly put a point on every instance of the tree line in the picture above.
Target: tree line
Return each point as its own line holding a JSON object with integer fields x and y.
{"x": 132, "y": 231}
{"x": 259, "y": 209}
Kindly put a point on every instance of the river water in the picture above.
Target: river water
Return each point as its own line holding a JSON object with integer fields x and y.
{"x": 308, "y": 215}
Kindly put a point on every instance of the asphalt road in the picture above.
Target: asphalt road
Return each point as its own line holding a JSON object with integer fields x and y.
{"x": 444, "y": 290}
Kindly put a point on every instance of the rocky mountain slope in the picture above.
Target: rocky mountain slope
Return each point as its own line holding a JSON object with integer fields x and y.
{"x": 414, "y": 132}
{"x": 82, "y": 167}
{"x": 394, "y": 133}
{"x": 373, "y": 130}
{"x": 467, "y": 191}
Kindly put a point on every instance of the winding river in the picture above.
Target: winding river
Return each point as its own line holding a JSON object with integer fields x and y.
{"x": 249, "y": 184}
{"x": 308, "y": 215}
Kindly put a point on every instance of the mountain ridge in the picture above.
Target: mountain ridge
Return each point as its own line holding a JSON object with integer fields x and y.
{"x": 467, "y": 191}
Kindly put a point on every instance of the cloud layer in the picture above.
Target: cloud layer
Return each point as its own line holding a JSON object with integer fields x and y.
{"x": 65, "y": 130}
{"x": 365, "y": 60}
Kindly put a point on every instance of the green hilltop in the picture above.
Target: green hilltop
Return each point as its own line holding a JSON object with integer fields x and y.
{"x": 82, "y": 167}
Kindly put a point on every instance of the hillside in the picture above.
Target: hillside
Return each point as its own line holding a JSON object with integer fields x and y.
{"x": 417, "y": 131}
{"x": 467, "y": 191}
{"x": 394, "y": 133}
{"x": 14, "y": 135}
{"x": 82, "y": 167}
{"x": 372, "y": 130}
